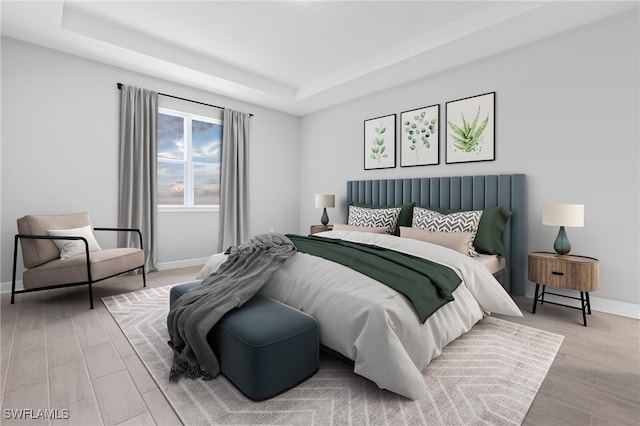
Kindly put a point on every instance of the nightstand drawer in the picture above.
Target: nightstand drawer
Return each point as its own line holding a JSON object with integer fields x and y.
{"x": 571, "y": 272}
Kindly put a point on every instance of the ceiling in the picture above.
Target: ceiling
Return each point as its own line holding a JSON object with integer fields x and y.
{"x": 293, "y": 56}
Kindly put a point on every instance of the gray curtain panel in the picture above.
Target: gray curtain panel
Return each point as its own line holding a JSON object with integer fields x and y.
{"x": 137, "y": 183}
{"x": 234, "y": 180}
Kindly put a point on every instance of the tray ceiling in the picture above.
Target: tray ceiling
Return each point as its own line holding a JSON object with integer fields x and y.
{"x": 294, "y": 56}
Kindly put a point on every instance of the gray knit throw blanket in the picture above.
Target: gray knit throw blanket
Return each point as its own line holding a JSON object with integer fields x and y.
{"x": 194, "y": 314}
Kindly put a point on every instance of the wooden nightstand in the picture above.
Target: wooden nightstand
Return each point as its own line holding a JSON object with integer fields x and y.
{"x": 570, "y": 272}
{"x": 320, "y": 228}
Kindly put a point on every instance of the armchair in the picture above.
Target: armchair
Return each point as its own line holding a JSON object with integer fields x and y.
{"x": 86, "y": 264}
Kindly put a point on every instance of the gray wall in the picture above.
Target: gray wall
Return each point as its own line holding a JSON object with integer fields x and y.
{"x": 567, "y": 115}
{"x": 60, "y": 151}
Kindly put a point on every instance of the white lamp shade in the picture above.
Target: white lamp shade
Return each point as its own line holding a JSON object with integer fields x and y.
{"x": 325, "y": 200}
{"x": 563, "y": 215}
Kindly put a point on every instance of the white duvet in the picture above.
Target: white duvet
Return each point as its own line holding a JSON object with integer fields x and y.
{"x": 374, "y": 325}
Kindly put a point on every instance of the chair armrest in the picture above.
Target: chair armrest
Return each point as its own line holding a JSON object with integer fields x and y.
{"x": 117, "y": 229}
{"x": 48, "y": 237}
{"x": 123, "y": 230}
{"x": 51, "y": 237}
{"x": 18, "y": 237}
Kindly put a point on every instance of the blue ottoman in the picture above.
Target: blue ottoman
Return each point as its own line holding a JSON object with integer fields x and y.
{"x": 264, "y": 347}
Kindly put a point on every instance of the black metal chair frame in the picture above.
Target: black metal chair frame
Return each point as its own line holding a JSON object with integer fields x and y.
{"x": 89, "y": 281}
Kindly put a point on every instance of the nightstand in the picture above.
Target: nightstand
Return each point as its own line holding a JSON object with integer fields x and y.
{"x": 320, "y": 228}
{"x": 579, "y": 273}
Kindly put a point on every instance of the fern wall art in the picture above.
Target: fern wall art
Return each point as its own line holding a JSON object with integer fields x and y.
{"x": 470, "y": 124}
{"x": 380, "y": 142}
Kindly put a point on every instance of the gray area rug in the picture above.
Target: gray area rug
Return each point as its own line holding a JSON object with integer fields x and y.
{"x": 489, "y": 376}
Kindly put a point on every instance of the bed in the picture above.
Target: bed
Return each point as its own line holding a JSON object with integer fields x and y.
{"x": 464, "y": 193}
{"x": 372, "y": 324}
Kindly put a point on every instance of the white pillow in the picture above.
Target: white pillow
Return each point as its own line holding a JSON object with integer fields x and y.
{"x": 69, "y": 248}
{"x": 213, "y": 263}
{"x": 464, "y": 221}
{"x": 458, "y": 241}
{"x": 376, "y": 218}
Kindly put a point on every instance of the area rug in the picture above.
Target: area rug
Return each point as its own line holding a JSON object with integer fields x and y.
{"x": 489, "y": 376}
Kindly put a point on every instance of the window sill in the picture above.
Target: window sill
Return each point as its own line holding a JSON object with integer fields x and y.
{"x": 182, "y": 209}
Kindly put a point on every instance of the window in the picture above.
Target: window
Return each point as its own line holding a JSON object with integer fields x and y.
{"x": 188, "y": 160}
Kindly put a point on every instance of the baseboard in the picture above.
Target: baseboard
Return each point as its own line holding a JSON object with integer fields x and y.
{"x": 600, "y": 304}
{"x": 5, "y": 287}
{"x": 163, "y": 266}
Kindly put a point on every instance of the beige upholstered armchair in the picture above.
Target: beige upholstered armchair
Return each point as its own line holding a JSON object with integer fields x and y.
{"x": 61, "y": 251}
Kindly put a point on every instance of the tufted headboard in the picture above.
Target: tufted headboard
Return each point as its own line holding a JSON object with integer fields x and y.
{"x": 465, "y": 193}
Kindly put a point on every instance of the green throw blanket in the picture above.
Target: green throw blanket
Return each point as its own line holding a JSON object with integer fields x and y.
{"x": 428, "y": 285}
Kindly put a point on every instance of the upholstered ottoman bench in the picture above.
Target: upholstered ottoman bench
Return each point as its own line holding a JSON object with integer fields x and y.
{"x": 264, "y": 347}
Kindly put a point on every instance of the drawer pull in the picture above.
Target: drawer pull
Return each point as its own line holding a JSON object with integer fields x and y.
{"x": 557, "y": 273}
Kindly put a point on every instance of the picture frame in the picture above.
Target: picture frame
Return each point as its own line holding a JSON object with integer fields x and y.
{"x": 380, "y": 142}
{"x": 420, "y": 136}
{"x": 470, "y": 129}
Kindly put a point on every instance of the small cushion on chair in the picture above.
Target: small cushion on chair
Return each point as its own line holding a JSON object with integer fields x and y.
{"x": 69, "y": 248}
{"x": 104, "y": 263}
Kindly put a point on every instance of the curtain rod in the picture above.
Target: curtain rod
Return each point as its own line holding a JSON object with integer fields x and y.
{"x": 185, "y": 99}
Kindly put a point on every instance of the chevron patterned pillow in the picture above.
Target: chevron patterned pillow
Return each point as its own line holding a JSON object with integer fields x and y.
{"x": 453, "y": 222}
{"x": 361, "y": 216}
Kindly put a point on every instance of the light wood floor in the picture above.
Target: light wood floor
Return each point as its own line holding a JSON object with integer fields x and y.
{"x": 58, "y": 354}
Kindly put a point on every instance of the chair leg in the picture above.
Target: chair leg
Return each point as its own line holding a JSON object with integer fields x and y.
{"x": 144, "y": 278}
{"x": 13, "y": 278}
{"x": 90, "y": 296}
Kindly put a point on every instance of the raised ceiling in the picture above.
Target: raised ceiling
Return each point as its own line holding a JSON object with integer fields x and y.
{"x": 294, "y": 56}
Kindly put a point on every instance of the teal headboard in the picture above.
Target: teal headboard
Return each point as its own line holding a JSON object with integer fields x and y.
{"x": 460, "y": 192}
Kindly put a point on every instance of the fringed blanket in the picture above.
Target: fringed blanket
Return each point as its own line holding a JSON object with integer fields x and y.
{"x": 238, "y": 279}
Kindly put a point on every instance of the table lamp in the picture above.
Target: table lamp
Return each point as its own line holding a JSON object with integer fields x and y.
{"x": 323, "y": 201}
{"x": 563, "y": 215}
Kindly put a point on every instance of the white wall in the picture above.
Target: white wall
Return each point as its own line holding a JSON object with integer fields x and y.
{"x": 567, "y": 115}
{"x": 60, "y": 151}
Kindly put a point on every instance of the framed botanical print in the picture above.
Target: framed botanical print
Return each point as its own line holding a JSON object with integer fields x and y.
{"x": 471, "y": 129}
{"x": 419, "y": 140}
{"x": 380, "y": 142}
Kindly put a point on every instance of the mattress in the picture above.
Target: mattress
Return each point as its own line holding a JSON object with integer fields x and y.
{"x": 493, "y": 263}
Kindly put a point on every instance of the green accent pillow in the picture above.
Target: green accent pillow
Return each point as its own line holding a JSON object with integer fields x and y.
{"x": 404, "y": 219}
{"x": 489, "y": 237}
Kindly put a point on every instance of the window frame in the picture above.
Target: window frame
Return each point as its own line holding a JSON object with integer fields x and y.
{"x": 189, "y": 181}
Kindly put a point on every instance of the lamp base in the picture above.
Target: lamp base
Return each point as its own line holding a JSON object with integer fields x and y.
{"x": 562, "y": 245}
{"x": 325, "y": 217}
